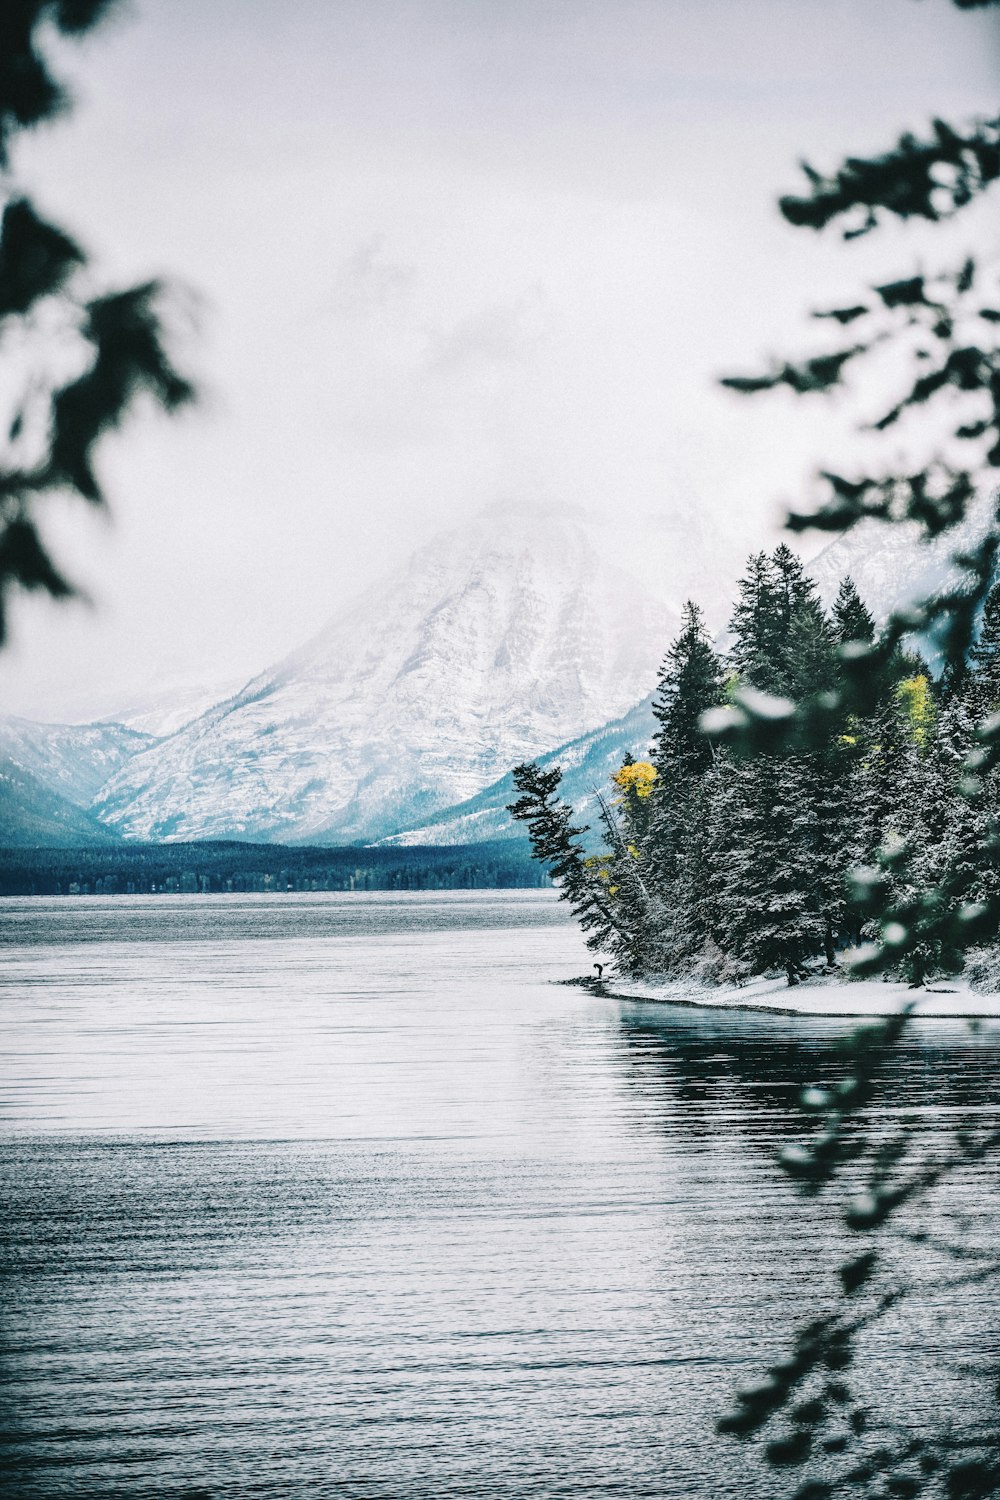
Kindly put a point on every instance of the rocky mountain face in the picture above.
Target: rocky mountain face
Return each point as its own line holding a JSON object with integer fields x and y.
{"x": 33, "y": 816}
{"x": 496, "y": 642}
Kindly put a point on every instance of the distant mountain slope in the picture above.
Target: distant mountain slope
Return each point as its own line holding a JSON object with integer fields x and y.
{"x": 586, "y": 763}
{"x": 497, "y": 641}
{"x": 71, "y": 760}
{"x": 34, "y": 816}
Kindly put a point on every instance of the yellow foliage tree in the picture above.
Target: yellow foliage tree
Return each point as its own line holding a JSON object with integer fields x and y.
{"x": 914, "y": 693}
{"x": 637, "y": 776}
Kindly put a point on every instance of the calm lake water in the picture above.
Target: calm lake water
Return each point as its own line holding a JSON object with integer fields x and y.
{"x": 342, "y": 1195}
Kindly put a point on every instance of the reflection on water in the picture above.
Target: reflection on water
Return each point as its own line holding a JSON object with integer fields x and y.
{"x": 340, "y": 1195}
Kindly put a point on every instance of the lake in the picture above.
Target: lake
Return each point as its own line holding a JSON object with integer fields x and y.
{"x": 333, "y": 1195}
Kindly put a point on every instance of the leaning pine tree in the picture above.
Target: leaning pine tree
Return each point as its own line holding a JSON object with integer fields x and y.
{"x": 555, "y": 841}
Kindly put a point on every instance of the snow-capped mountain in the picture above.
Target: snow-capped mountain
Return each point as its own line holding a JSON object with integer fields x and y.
{"x": 32, "y": 815}
{"x": 401, "y": 720}
{"x": 496, "y": 642}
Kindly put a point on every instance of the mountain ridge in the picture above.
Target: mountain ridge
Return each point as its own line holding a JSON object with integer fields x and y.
{"x": 399, "y": 721}
{"x": 492, "y": 644}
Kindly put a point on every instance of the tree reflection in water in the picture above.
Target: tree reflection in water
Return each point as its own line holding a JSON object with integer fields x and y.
{"x": 889, "y": 1385}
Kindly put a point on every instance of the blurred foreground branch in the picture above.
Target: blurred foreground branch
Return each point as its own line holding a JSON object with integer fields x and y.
{"x": 77, "y": 361}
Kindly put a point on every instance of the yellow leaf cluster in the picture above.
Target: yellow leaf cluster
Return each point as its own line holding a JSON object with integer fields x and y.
{"x": 638, "y": 778}
{"x": 914, "y": 694}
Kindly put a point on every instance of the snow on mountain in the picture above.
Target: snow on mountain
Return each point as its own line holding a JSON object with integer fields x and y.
{"x": 33, "y": 816}
{"x": 401, "y": 720}
{"x": 175, "y": 702}
{"x": 71, "y": 760}
{"x": 497, "y": 641}
{"x": 587, "y": 763}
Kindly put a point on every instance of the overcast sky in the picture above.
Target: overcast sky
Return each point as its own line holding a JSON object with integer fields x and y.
{"x": 447, "y": 252}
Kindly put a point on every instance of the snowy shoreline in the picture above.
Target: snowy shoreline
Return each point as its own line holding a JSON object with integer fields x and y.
{"x": 950, "y": 999}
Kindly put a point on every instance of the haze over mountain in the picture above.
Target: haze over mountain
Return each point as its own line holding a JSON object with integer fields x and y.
{"x": 50, "y": 774}
{"x": 498, "y": 641}
{"x": 515, "y": 636}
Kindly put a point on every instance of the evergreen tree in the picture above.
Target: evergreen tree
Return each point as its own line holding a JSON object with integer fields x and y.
{"x": 582, "y": 881}
{"x": 887, "y": 781}
{"x": 929, "y": 175}
{"x": 775, "y": 592}
{"x": 823, "y": 774}
{"x": 731, "y": 867}
{"x": 938, "y": 870}
{"x": 793, "y": 586}
{"x": 761, "y": 867}
{"x": 852, "y": 620}
{"x": 807, "y": 837}
{"x": 983, "y": 686}
{"x": 690, "y": 682}
{"x": 756, "y": 625}
{"x": 808, "y": 653}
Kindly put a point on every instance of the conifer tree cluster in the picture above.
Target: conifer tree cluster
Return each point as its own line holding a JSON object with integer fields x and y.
{"x": 722, "y": 864}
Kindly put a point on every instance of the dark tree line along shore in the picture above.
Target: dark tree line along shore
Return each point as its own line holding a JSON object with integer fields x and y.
{"x": 723, "y": 864}
{"x": 229, "y": 866}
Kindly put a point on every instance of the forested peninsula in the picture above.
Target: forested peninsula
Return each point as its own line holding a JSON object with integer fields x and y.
{"x": 720, "y": 865}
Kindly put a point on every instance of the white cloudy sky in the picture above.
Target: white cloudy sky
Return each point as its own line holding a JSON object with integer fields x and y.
{"x": 448, "y": 252}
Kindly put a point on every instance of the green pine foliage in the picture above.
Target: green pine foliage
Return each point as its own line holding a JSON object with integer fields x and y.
{"x": 852, "y": 620}
{"x": 721, "y": 864}
{"x": 583, "y": 880}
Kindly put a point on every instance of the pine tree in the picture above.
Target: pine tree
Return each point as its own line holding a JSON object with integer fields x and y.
{"x": 812, "y": 666}
{"x": 983, "y": 686}
{"x": 808, "y": 662}
{"x": 807, "y": 837}
{"x": 761, "y": 867}
{"x": 852, "y": 620}
{"x": 756, "y": 624}
{"x": 582, "y": 880}
{"x": 887, "y": 781}
{"x": 792, "y": 584}
{"x": 939, "y": 870}
{"x": 690, "y": 683}
{"x": 775, "y": 592}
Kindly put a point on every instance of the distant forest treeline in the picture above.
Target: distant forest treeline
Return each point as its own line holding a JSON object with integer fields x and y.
{"x": 230, "y": 866}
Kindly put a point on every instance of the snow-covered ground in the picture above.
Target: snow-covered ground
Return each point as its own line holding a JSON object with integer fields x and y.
{"x": 817, "y": 997}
